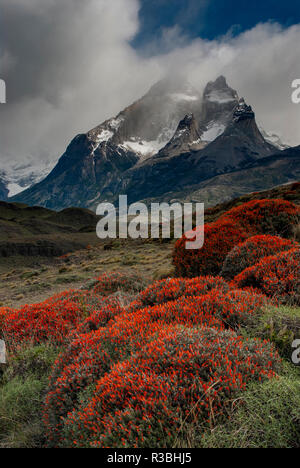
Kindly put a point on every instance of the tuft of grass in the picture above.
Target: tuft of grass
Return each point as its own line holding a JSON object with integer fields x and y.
{"x": 163, "y": 273}
{"x": 22, "y": 390}
{"x": 280, "y": 325}
{"x": 266, "y": 416}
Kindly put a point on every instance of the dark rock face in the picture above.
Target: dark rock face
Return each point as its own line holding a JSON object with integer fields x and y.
{"x": 83, "y": 173}
{"x": 3, "y": 190}
{"x": 219, "y": 101}
{"x": 240, "y": 144}
{"x": 187, "y": 138}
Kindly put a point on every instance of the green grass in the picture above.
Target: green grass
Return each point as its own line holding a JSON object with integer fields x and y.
{"x": 280, "y": 325}
{"x": 266, "y": 416}
{"x": 22, "y": 390}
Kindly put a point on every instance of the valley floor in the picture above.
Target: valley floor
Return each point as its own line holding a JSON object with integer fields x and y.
{"x": 26, "y": 280}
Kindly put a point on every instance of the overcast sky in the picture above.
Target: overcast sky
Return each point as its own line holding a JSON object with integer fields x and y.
{"x": 70, "y": 64}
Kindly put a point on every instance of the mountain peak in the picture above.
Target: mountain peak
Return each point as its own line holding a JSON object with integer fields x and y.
{"x": 219, "y": 83}
{"x": 186, "y": 138}
{"x": 170, "y": 85}
{"x": 218, "y": 91}
{"x": 244, "y": 131}
{"x": 243, "y": 111}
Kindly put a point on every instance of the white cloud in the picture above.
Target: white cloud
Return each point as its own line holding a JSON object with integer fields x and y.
{"x": 69, "y": 66}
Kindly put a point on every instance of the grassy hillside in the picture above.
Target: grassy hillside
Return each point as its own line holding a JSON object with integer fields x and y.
{"x": 34, "y": 231}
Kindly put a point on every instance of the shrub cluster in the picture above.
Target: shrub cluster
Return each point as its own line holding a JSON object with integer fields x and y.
{"x": 92, "y": 355}
{"x": 50, "y": 321}
{"x": 220, "y": 238}
{"x": 252, "y": 251}
{"x": 273, "y": 217}
{"x": 277, "y": 276}
{"x": 134, "y": 375}
{"x": 182, "y": 375}
{"x": 173, "y": 288}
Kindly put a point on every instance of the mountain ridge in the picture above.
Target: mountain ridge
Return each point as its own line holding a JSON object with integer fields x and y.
{"x": 170, "y": 138}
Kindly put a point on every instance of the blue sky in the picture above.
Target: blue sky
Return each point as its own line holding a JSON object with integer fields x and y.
{"x": 210, "y": 19}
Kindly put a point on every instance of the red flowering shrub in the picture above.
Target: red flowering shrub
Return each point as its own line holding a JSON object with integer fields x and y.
{"x": 182, "y": 374}
{"x": 274, "y": 217}
{"x": 89, "y": 357}
{"x": 270, "y": 216}
{"x": 188, "y": 311}
{"x": 86, "y": 299}
{"x": 220, "y": 238}
{"x": 50, "y": 321}
{"x": 173, "y": 288}
{"x": 109, "y": 308}
{"x": 240, "y": 308}
{"x": 3, "y": 312}
{"x": 276, "y": 276}
{"x": 216, "y": 309}
{"x": 91, "y": 354}
{"x": 109, "y": 283}
{"x": 251, "y": 251}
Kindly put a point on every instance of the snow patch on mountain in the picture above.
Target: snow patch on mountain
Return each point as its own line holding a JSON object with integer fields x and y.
{"x": 14, "y": 189}
{"x": 105, "y": 135}
{"x": 214, "y": 130}
{"x": 273, "y": 138}
{"x": 21, "y": 176}
{"x": 144, "y": 148}
{"x": 115, "y": 123}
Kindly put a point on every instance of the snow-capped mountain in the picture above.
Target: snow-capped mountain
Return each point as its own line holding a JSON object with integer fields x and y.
{"x": 17, "y": 177}
{"x": 170, "y": 139}
{"x": 149, "y": 124}
{"x": 239, "y": 146}
{"x": 93, "y": 163}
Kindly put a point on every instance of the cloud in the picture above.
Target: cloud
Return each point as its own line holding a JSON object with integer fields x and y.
{"x": 69, "y": 65}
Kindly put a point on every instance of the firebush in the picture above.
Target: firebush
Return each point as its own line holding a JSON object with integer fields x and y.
{"x": 51, "y": 321}
{"x": 273, "y": 217}
{"x": 181, "y": 375}
{"x": 89, "y": 357}
{"x": 220, "y": 238}
{"x": 173, "y": 288}
{"x": 109, "y": 308}
{"x": 3, "y": 312}
{"x": 270, "y": 216}
{"x": 215, "y": 309}
{"x": 277, "y": 276}
{"x": 91, "y": 354}
{"x": 251, "y": 251}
